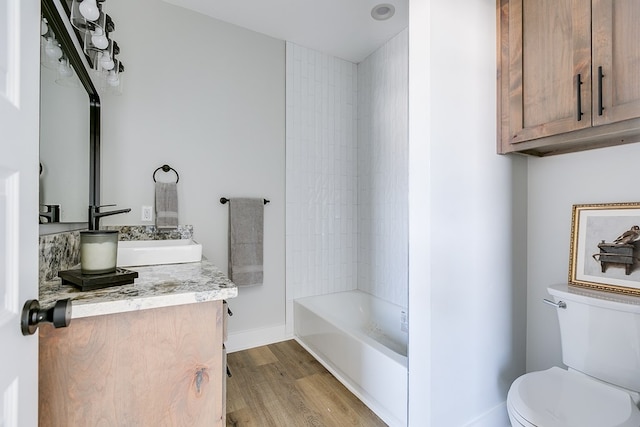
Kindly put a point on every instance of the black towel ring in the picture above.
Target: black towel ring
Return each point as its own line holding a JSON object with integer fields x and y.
{"x": 166, "y": 168}
{"x": 224, "y": 200}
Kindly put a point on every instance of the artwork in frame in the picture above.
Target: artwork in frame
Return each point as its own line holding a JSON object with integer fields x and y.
{"x": 605, "y": 247}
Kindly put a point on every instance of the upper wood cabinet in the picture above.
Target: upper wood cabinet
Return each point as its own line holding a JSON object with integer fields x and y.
{"x": 568, "y": 75}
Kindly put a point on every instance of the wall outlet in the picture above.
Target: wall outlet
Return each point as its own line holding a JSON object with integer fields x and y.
{"x": 147, "y": 212}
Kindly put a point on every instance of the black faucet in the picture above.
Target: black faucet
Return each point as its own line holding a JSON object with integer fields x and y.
{"x": 95, "y": 215}
{"x": 52, "y": 214}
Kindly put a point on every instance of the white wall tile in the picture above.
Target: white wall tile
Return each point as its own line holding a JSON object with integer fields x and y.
{"x": 322, "y": 121}
{"x": 383, "y": 171}
{"x": 347, "y": 172}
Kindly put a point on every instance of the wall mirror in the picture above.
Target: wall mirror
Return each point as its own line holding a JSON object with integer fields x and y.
{"x": 69, "y": 125}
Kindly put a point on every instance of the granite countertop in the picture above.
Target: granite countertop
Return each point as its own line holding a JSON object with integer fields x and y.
{"x": 156, "y": 286}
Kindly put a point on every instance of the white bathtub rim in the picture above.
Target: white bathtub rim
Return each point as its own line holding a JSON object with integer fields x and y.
{"x": 360, "y": 335}
{"x": 395, "y": 357}
{"x": 384, "y": 414}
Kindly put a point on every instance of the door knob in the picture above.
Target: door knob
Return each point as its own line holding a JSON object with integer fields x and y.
{"x": 33, "y": 315}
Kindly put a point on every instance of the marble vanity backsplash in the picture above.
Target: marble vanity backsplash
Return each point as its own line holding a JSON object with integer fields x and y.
{"x": 61, "y": 251}
{"x": 150, "y": 232}
{"x": 57, "y": 252}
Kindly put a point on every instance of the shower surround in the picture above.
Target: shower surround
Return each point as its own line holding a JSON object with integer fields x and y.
{"x": 347, "y": 173}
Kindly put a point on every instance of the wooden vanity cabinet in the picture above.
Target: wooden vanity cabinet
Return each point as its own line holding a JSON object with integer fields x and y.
{"x": 567, "y": 75}
{"x": 154, "y": 367}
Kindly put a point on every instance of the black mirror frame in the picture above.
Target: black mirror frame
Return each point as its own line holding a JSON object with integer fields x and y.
{"x": 57, "y": 14}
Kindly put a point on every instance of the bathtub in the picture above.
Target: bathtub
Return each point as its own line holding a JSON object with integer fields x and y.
{"x": 360, "y": 340}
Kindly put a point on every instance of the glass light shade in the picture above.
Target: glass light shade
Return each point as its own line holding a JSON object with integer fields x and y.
{"x": 66, "y": 76}
{"x": 64, "y": 69}
{"x": 50, "y": 53}
{"x": 52, "y": 49}
{"x": 112, "y": 79}
{"x": 117, "y": 90}
{"x": 106, "y": 62}
{"x": 99, "y": 38}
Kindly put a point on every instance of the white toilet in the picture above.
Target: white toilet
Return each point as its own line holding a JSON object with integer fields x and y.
{"x": 600, "y": 335}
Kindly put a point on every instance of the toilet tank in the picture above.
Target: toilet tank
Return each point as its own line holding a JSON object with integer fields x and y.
{"x": 600, "y": 333}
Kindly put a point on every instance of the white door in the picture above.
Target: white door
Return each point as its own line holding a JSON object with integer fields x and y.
{"x": 19, "y": 112}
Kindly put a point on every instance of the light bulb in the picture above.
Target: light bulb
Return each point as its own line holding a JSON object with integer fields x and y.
{"x": 89, "y": 9}
{"x": 52, "y": 49}
{"x": 112, "y": 79}
{"x": 43, "y": 27}
{"x": 106, "y": 62}
{"x": 98, "y": 38}
{"x": 64, "y": 70}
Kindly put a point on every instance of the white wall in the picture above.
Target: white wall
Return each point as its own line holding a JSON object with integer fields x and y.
{"x": 606, "y": 175}
{"x": 383, "y": 171}
{"x": 321, "y": 173}
{"x": 467, "y": 223}
{"x": 207, "y": 98}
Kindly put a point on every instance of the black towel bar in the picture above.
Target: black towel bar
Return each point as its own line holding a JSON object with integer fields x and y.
{"x": 224, "y": 200}
{"x": 166, "y": 168}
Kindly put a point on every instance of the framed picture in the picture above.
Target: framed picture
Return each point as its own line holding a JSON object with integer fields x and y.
{"x": 605, "y": 247}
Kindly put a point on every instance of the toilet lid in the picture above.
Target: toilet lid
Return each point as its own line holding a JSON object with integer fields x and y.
{"x": 559, "y": 398}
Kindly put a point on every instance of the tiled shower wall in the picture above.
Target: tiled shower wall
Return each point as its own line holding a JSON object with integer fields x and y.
{"x": 347, "y": 172}
{"x": 321, "y": 176}
{"x": 383, "y": 188}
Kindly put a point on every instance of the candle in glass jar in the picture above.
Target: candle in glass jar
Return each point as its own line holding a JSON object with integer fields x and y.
{"x": 98, "y": 251}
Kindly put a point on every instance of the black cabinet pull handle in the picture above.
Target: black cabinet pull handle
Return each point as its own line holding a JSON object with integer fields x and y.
{"x": 600, "y": 77}
{"x": 579, "y": 89}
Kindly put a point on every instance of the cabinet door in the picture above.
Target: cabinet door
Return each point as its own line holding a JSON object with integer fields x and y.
{"x": 154, "y": 367}
{"x": 616, "y": 60}
{"x": 549, "y": 67}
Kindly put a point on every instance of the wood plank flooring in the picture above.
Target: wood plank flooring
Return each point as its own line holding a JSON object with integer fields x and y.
{"x": 283, "y": 385}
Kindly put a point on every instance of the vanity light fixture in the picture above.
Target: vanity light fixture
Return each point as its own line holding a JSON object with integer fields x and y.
{"x": 51, "y": 56}
{"x": 383, "y": 11}
{"x": 95, "y": 29}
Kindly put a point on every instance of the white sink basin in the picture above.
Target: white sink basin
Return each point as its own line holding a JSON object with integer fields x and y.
{"x": 156, "y": 252}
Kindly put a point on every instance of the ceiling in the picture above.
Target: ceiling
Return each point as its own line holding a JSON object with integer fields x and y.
{"x": 343, "y": 28}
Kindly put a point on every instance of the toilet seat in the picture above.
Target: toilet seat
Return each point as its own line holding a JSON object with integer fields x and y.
{"x": 560, "y": 398}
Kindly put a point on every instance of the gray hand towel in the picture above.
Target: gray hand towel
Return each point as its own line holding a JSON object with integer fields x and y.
{"x": 166, "y": 205}
{"x": 246, "y": 223}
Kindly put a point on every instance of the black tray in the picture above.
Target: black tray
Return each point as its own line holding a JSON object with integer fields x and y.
{"x": 89, "y": 282}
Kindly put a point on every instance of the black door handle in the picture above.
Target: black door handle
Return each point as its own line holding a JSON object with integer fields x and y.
{"x": 32, "y": 315}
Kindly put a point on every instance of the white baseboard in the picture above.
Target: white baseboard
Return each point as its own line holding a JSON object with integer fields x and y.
{"x": 243, "y": 340}
{"x": 494, "y": 417}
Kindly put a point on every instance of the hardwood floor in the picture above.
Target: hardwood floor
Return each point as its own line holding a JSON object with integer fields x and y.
{"x": 283, "y": 385}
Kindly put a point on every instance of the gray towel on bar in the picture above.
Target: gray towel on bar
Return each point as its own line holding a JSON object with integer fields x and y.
{"x": 246, "y": 223}
{"x": 166, "y": 205}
